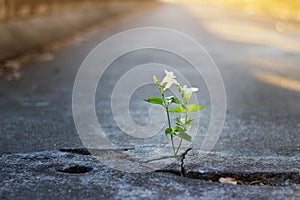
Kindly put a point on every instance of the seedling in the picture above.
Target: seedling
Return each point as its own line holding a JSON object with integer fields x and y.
{"x": 172, "y": 104}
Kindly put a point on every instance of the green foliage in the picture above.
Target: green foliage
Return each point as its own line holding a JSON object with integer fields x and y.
{"x": 155, "y": 100}
{"x": 187, "y": 97}
{"x": 155, "y": 80}
{"x": 172, "y": 99}
{"x": 178, "y": 109}
{"x": 184, "y": 136}
{"x": 169, "y": 131}
{"x": 195, "y": 107}
{"x": 183, "y": 123}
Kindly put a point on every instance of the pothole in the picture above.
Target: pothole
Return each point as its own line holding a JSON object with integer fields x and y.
{"x": 75, "y": 169}
{"x": 84, "y": 151}
{"x": 255, "y": 178}
{"x": 81, "y": 151}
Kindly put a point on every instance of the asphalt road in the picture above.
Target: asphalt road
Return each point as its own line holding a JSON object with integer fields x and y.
{"x": 259, "y": 66}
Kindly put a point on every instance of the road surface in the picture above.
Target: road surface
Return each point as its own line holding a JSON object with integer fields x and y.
{"x": 259, "y": 67}
{"x": 258, "y": 63}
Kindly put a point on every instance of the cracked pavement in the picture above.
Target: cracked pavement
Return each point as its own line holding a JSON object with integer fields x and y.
{"x": 260, "y": 69}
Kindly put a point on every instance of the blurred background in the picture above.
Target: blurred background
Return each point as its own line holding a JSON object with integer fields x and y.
{"x": 255, "y": 44}
{"x": 287, "y": 10}
{"x": 22, "y": 9}
{"x": 28, "y": 24}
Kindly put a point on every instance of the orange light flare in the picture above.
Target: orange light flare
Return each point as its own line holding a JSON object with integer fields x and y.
{"x": 278, "y": 80}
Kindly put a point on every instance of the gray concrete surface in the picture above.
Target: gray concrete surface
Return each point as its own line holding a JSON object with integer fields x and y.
{"x": 260, "y": 69}
{"x": 43, "y": 175}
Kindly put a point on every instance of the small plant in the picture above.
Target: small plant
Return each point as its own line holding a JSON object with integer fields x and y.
{"x": 184, "y": 122}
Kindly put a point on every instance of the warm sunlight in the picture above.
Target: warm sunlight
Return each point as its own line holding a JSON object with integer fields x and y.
{"x": 279, "y": 81}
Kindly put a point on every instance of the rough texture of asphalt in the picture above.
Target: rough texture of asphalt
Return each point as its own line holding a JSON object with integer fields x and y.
{"x": 63, "y": 175}
{"x": 261, "y": 132}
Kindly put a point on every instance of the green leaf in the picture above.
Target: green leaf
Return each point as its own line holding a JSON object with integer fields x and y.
{"x": 195, "y": 107}
{"x": 188, "y": 121}
{"x": 184, "y": 136}
{"x": 169, "y": 131}
{"x": 155, "y": 79}
{"x": 177, "y": 101}
{"x": 188, "y": 127}
{"x": 178, "y": 109}
{"x": 155, "y": 100}
{"x": 178, "y": 119}
{"x": 169, "y": 99}
{"x": 188, "y": 96}
{"x": 178, "y": 129}
{"x": 172, "y": 99}
{"x": 178, "y": 124}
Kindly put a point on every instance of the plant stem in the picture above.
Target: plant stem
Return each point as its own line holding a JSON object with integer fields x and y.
{"x": 186, "y": 117}
{"x": 175, "y": 154}
{"x": 178, "y": 146}
{"x": 169, "y": 123}
{"x": 168, "y": 115}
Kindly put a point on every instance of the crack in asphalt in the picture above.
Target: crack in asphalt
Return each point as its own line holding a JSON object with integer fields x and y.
{"x": 183, "y": 155}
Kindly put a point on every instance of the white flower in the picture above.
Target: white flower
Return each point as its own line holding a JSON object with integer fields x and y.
{"x": 169, "y": 79}
{"x": 187, "y": 90}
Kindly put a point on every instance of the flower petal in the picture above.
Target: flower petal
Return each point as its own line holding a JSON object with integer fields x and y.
{"x": 169, "y": 79}
{"x": 170, "y": 74}
{"x": 187, "y": 90}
